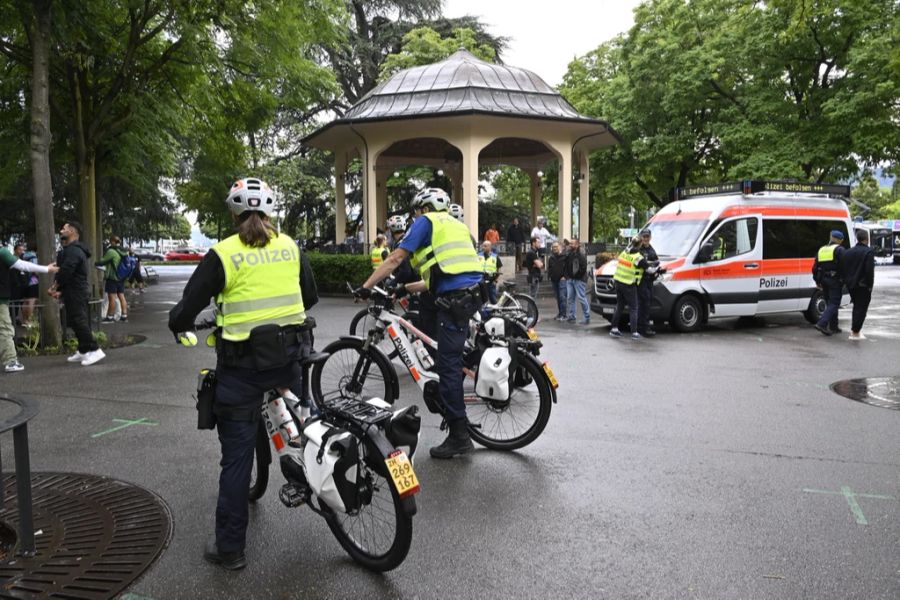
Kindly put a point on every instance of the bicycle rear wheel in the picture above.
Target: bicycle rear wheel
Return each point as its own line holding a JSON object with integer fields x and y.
{"x": 530, "y": 307}
{"x": 348, "y": 372}
{"x": 516, "y": 422}
{"x": 378, "y": 533}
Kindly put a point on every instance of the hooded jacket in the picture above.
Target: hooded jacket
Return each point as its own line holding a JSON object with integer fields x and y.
{"x": 72, "y": 276}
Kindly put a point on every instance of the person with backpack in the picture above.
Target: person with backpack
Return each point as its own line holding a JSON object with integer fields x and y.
{"x": 118, "y": 270}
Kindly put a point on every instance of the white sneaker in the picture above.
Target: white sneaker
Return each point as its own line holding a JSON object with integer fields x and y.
{"x": 857, "y": 336}
{"x": 92, "y": 357}
{"x": 77, "y": 357}
{"x": 14, "y": 366}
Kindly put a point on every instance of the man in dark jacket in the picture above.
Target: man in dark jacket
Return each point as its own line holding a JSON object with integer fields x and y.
{"x": 515, "y": 236}
{"x": 556, "y": 271}
{"x": 576, "y": 271}
{"x": 72, "y": 284}
{"x": 645, "y": 287}
{"x": 858, "y": 274}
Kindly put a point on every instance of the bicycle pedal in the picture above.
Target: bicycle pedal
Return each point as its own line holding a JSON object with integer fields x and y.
{"x": 291, "y": 496}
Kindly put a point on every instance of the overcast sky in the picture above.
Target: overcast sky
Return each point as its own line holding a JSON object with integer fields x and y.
{"x": 546, "y": 36}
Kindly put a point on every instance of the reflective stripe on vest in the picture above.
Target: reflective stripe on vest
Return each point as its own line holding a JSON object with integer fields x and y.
{"x": 262, "y": 286}
{"x": 626, "y": 272}
{"x": 375, "y": 255}
{"x": 826, "y": 253}
{"x": 451, "y": 248}
{"x": 489, "y": 263}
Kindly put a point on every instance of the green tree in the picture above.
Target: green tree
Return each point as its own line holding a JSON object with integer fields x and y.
{"x": 424, "y": 45}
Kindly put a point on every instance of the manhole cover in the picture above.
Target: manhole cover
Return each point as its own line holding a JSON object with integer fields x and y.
{"x": 94, "y": 536}
{"x": 883, "y": 392}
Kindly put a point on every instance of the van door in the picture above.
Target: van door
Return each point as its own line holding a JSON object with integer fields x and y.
{"x": 731, "y": 259}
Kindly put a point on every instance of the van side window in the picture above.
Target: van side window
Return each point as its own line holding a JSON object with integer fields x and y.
{"x": 797, "y": 238}
{"x": 734, "y": 238}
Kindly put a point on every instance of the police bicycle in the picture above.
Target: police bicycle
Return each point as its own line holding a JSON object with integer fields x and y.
{"x": 509, "y": 297}
{"x": 508, "y": 392}
{"x": 347, "y": 459}
{"x": 364, "y": 319}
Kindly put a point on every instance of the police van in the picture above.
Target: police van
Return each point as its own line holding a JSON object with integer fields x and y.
{"x": 735, "y": 250}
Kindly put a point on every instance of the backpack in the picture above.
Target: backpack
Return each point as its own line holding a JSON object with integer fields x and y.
{"x": 126, "y": 267}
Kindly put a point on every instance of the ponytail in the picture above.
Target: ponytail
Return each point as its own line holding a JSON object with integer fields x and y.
{"x": 254, "y": 229}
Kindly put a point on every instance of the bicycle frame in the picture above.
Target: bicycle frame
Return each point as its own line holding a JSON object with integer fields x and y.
{"x": 396, "y": 328}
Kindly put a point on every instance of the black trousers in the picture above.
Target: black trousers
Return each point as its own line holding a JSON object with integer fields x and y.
{"x": 77, "y": 318}
{"x": 861, "y": 297}
{"x": 626, "y": 295}
{"x": 644, "y": 295}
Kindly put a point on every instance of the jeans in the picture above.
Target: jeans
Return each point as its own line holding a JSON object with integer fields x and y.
{"x": 576, "y": 290}
{"x": 559, "y": 290}
{"x": 534, "y": 282}
{"x": 492, "y": 292}
{"x": 77, "y": 318}
{"x": 626, "y": 295}
{"x": 832, "y": 290}
{"x": 237, "y": 388}
{"x": 861, "y": 297}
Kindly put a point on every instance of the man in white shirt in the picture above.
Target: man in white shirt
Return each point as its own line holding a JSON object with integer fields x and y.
{"x": 544, "y": 237}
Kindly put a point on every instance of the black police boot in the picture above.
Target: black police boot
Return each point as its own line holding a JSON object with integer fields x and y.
{"x": 233, "y": 561}
{"x": 457, "y": 442}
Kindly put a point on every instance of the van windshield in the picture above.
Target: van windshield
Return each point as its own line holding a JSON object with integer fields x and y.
{"x": 673, "y": 238}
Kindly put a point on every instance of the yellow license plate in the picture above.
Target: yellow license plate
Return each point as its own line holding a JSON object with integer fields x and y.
{"x": 402, "y": 473}
{"x": 553, "y": 381}
{"x": 532, "y": 335}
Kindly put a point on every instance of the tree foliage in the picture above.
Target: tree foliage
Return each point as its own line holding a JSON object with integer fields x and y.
{"x": 424, "y": 45}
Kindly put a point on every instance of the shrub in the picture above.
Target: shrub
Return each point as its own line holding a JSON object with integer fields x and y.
{"x": 332, "y": 271}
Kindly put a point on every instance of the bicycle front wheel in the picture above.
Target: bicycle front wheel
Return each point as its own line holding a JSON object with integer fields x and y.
{"x": 350, "y": 372}
{"x": 517, "y": 421}
{"x": 378, "y": 533}
{"x": 529, "y": 306}
{"x": 362, "y": 323}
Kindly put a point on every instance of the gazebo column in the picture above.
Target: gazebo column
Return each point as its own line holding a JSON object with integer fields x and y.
{"x": 381, "y": 178}
{"x": 370, "y": 190}
{"x": 340, "y": 204}
{"x": 470, "y": 149}
{"x": 456, "y": 180}
{"x": 565, "y": 194}
{"x": 535, "y": 196}
{"x": 584, "y": 207}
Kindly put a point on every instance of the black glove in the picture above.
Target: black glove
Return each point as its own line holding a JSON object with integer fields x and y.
{"x": 661, "y": 271}
{"x": 362, "y": 292}
{"x": 400, "y": 290}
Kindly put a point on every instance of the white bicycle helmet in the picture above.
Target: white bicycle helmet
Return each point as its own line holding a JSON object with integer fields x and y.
{"x": 251, "y": 194}
{"x": 436, "y": 198}
{"x": 456, "y": 211}
{"x": 397, "y": 223}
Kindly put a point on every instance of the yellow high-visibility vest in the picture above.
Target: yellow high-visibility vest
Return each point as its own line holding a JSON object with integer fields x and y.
{"x": 262, "y": 286}
{"x": 489, "y": 263}
{"x": 451, "y": 248}
{"x": 375, "y": 255}
{"x": 626, "y": 271}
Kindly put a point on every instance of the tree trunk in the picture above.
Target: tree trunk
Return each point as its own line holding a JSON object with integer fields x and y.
{"x": 40, "y": 165}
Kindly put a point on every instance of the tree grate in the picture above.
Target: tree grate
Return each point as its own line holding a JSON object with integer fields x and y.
{"x": 883, "y": 392}
{"x": 94, "y": 537}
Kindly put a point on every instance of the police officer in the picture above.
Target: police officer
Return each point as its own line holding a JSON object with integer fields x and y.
{"x": 443, "y": 254}
{"x": 629, "y": 271}
{"x": 255, "y": 277}
{"x": 826, "y": 270}
{"x": 645, "y": 286}
{"x": 491, "y": 265}
{"x": 379, "y": 251}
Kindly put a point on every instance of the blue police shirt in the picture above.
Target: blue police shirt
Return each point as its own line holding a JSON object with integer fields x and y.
{"x": 419, "y": 236}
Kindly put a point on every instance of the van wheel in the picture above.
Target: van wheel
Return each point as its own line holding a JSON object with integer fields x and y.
{"x": 687, "y": 315}
{"x": 816, "y": 307}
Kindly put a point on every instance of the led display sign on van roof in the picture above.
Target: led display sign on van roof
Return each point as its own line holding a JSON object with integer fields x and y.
{"x": 753, "y": 186}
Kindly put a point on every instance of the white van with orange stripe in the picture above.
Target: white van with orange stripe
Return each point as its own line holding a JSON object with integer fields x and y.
{"x": 738, "y": 249}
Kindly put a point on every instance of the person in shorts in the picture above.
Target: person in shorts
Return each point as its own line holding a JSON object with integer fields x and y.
{"x": 113, "y": 286}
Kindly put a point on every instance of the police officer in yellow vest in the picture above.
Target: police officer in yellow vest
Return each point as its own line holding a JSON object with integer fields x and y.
{"x": 826, "y": 269}
{"x": 629, "y": 270}
{"x": 491, "y": 265}
{"x": 379, "y": 251}
{"x": 255, "y": 277}
{"x": 442, "y": 252}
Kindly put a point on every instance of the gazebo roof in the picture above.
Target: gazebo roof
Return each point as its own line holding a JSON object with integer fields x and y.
{"x": 459, "y": 85}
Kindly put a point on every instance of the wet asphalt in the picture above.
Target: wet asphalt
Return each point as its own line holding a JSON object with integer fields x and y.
{"x": 711, "y": 465}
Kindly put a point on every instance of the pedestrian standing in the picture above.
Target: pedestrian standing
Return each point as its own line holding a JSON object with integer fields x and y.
{"x": 379, "y": 251}
{"x": 556, "y": 271}
{"x": 491, "y": 264}
{"x": 492, "y": 235}
{"x": 534, "y": 264}
{"x": 629, "y": 270}
{"x": 545, "y": 238}
{"x": 440, "y": 250}
{"x": 32, "y": 284}
{"x": 645, "y": 286}
{"x": 858, "y": 274}
{"x": 826, "y": 273}
{"x": 261, "y": 333}
{"x": 8, "y": 262}
{"x": 576, "y": 272}
{"x": 136, "y": 280}
{"x": 515, "y": 235}
{"x": 72, "y": 285}
{"x": 113, "y": 284}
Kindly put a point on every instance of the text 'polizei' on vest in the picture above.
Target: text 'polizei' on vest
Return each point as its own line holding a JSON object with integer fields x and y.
{"x": 262, "y": 256}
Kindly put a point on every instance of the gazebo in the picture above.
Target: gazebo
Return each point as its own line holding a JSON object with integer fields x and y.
{"x": 455, "y": 115}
